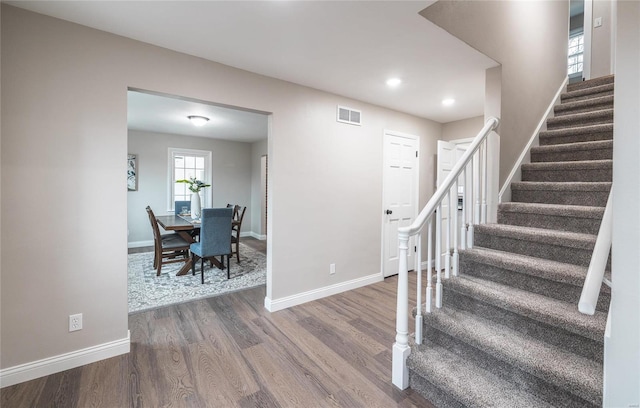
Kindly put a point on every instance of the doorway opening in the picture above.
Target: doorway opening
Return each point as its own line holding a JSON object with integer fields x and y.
{"x": 235, "y": 140}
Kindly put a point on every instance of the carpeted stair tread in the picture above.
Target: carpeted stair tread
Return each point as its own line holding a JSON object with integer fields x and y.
{"x": 541, "y": 235}
{"x": 567, "y": 171}
{"x": 562, "y": 246}
{"x": 583, "y": 133}
{"x": 599, "y": 102}
{"x": 578, "y": 151}
{"x": 591, "y": 83}
{"x": 524, "y": 264}
{"x": 587, "y": 93}
{"x": 537, "y": 307}
{"x": 578, "y": 375}
{"x": 465, "y": 382}
{"x": 569, "y": 193}
{"x": 582, "y": 211}
{"x": 580, "y": 119}
{"x": 572, "y": 218}
{"x": 575, "y": 186}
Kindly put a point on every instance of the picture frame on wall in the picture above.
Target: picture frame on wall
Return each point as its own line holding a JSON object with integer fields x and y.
{"x": 132, "y": 172}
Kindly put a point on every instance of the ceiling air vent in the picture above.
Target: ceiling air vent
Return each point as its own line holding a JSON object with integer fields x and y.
{"x": 348, "y": 115}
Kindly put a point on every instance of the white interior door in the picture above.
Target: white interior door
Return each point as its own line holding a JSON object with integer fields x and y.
{"x": 446, "y": 159}
{"x": 400, "y": 201}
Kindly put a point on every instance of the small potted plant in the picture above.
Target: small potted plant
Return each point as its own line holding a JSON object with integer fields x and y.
{"x": 195, "y": 186}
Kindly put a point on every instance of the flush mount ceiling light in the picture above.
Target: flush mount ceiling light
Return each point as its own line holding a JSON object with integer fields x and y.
{"x": 198, "y": 120}
{"x": 448, "y": 101}
{"x": 393, "y": 82}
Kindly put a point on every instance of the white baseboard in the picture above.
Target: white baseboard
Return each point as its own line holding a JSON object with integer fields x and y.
{"x": 300, "y": 298}
{"x": 36, "y": 369}
{"x": 139, "y": 244}
{"x": 254, "y": 235}
{"x": 424, "y": 264}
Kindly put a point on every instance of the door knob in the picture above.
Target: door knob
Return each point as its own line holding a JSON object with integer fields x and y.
{"x": 389, "y": 212}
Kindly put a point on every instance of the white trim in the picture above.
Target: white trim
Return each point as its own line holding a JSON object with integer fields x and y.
{"x": 254, "y": 235}
{"x": 588, "y": 39}
{"x": 140, "y": 244}
{"x": 613, "y": 32}
{"x": 425, "y": 266}
{"x": 417, "y": 187}
{"x": 525, "y": 157}
{"x": 304, "y": 297}
{"x": 51, "y": 365}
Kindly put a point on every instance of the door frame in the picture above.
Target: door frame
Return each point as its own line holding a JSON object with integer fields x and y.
{"x": 388, "y": 132}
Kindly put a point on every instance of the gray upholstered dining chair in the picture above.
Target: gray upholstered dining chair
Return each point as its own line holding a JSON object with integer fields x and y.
{"x": 215, "y": 238}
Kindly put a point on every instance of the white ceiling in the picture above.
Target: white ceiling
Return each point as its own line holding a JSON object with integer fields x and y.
{"x": 348, "y": 48}
{"x": 157, "y": 113}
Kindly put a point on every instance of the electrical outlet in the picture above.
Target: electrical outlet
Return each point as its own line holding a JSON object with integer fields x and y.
{"x": 332, "y": 269}
{"x": 75, "y": 322}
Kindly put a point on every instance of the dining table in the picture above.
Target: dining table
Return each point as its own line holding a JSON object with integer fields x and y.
{"x": 188, "y": 229}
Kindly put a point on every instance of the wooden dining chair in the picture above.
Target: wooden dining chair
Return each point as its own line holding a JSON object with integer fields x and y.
{"x": 238, "y": 215}
{"x": 215, "y": 238}
{"x": 169, "y": 248}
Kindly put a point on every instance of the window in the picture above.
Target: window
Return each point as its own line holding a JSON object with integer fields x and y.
{"x": 184, "y": 164}
{"x": 576, "y": 50}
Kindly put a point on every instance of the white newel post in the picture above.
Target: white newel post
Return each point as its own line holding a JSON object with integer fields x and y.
{"x": 401, "y": 349}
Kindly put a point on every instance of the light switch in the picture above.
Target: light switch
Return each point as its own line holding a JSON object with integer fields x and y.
{"x": 597, "y": 22}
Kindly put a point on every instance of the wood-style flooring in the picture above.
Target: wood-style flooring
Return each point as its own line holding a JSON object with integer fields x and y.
{"x": 228, "y": 351}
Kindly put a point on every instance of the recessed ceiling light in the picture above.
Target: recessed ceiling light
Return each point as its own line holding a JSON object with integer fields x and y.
{"x": 448, "y": 101}
{"x": 393, "y": 82}
{"x": 198, "y": 120}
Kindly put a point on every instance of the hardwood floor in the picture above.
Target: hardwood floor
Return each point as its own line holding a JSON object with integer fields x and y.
{"x": 228, "y": 351}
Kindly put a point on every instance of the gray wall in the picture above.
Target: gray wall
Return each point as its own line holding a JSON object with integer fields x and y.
{"x": 529, "y": 39}
{"x": 64, "y": 140}
{"x": 462, "y": 129}
{"x": 601, "y": 39}
{"x": 622, "y": 349}
{"x": 231, "y": 166}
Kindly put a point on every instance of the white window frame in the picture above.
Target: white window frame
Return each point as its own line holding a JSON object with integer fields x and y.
{"x": 576, "y": 55}
{"x": 206, "y": 194}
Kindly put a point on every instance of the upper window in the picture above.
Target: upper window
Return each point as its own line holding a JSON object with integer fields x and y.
{"x": 576, "y": 50}
{"x": 185, "y": 164}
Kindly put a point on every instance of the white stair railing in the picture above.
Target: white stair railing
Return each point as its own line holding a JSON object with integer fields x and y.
{"x": 595, "y": 273}
{"x": 472, "y": 166}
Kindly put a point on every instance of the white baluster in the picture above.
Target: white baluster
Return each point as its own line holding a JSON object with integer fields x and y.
{"x": 439, "y": 256}
{"x": 429, "y": 290}
{"x": 470, "y": 203}
{"x": 485, "y": 155}
{"x": 447, "y": 247}
{"x": 478, "y": 211}
{"x": 419, "y": 289}
{"x": 463, "y": 226}
{"x": 401, "y": 349}
{"x": 455, "y": 230}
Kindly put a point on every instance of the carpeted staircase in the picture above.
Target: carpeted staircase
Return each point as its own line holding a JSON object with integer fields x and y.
{"x": 509, "y": 333}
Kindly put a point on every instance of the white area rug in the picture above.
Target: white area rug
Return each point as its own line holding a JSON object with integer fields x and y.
{"x": 148, "y": 291}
